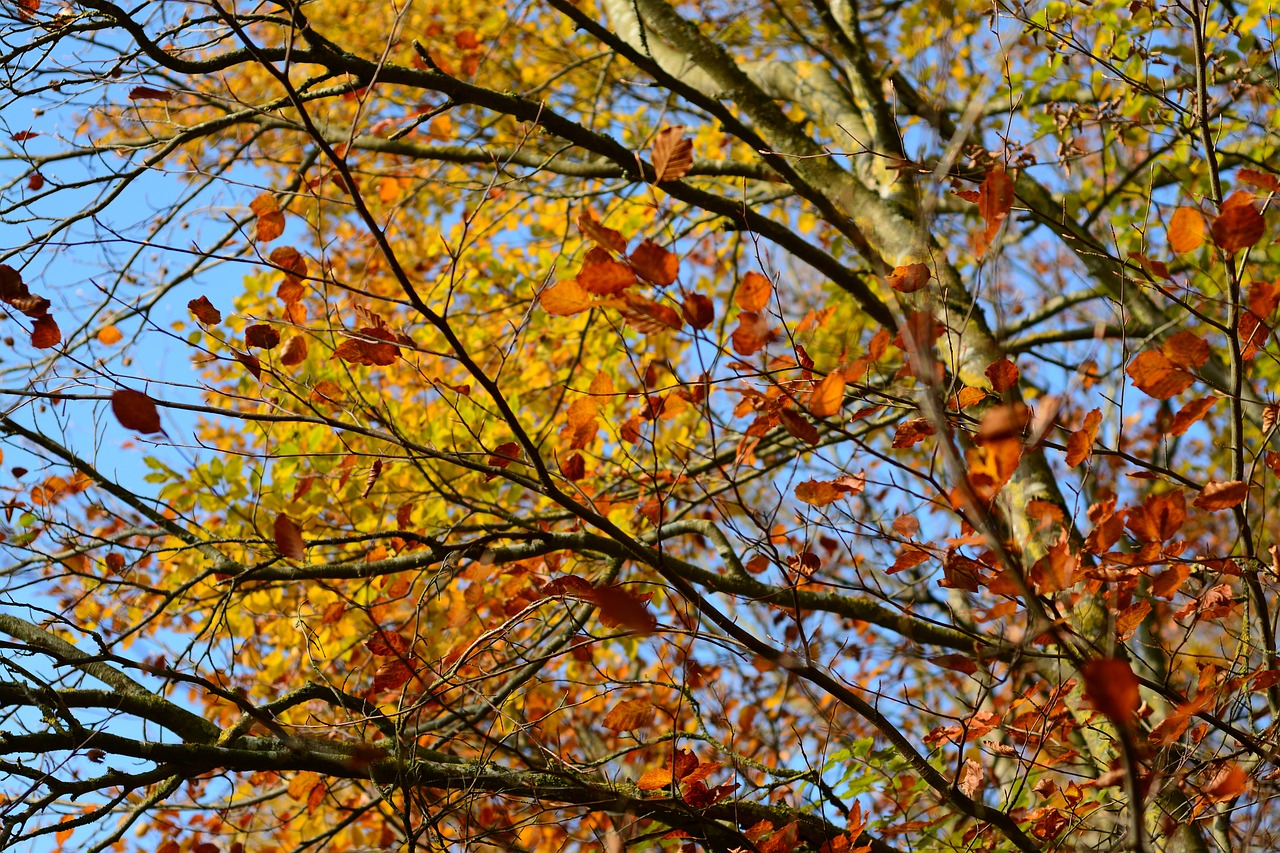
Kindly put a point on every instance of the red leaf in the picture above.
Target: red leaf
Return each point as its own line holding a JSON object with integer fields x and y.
{"x": 1112, "y": 688}
{"x": 204, "y": 311}
{"x": 698, "y": 310}
{"x": 798, "y": 425}
{"x": 135, "y": 411}
{"x": 45, "y": 332}
{"x": 288, "y": 538}
{"x": 502, "y": 456}
{"x": 262, "y": 336}
{"x": 672, "y": 154}
{"x": 648, "y": 316}
{"x": 388, "y": 644}
{"x": 573, "y": 467}
{"x": 912, "y": 431}
{"x": 620, "y": 607}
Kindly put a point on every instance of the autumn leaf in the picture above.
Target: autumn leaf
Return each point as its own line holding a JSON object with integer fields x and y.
{"x": 909, "y": 278}
{"x": 1239, "y": 226}
{"x": 294, "y": 351}
{"x": 204, "y": 311}
{"x": 672, "y": 154}
{"x": 1155, "y": 375}
{"x": 270, "y": 218}
{"x": 912, "y": 431}
{"x": 149, "y": 93}
{"x": 1217, "y": 496}
{"x": 565, "y": 298}
{"x": 45, "y": 332}
{"x": 1080, "y": 442}
{"x": 261, "y": 336}
{"x": 995, "y": 200}
{"x": 798, "y": 425}
{"x": 288, "y": 538}
{"x": 135, "y": 411}
{"x": 109, "y": 336}
{"x": 1190, "y": 414}
{"x": 828, "y": 397}
{"x": 649, "y": 317}
{"x": 1228, "y": 783}
{"x": 1186, "y": 350}
{"x": 751, "y": 335}
{"x": 629, "y": 715}
{"x": 753, "y": 293}
{"x": 1003, "y": 375}
{"x": 698, "y": 310}
{"x": 1111, "y": 686}
{"x": 620, "y": 607}
{"x": 601, "y": 275}
{"x": 655, "y": 264}
{"x": 1261, "y": 180}
{"x": 818, "y": 493}
{"x": 1186, "y": 230}
{"x": 606, "y": 238}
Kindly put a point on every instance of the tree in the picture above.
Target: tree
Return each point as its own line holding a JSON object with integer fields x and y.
{"x": 796, "y": 425}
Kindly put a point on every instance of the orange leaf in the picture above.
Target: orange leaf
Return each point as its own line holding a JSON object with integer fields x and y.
{"x": 1238, "y": 227}
{"x": 109, "y": 335}
{"x": 270, "y": 224}
{"x": 605, "y": 237}
{"x": 1186, "y": 230}
{"x": 1003, "y": 374}
{"x": 995, "y": 200}
{"x": 828, "y": 396}
{"x": 1111, "y": 686}
{"x": 135, "y": 411}
{"x": 1080, "y": 442}
{"x": 1219, "y": 496}
{"x": 754, "y": 292}
{"x": 1190, "y": 414}
{"x": 698, "y": 310}
{"x": 1227, "y": 784}
{"x": 752, "y": 333}
{"x": 630, "y": 715}
{"x": 1156, "y": 376}
{"x": 564, "y": 298}
{"x": 912, "y": 431}
{"x": 1185, "y": 350}
{"x": 910, "y": 278}
{"x": 798, "y": 425}
{"x": 1261, "y": 180}
{"x": 655, "y": 264}
{"x": 818, "y": 493}
{"x": 294, "y": 351}
{"x": 288, "y": 538}
{"x": 601, "y": 275}
{"x": 672, "y": 154}
{"x": 649, "y": 317}
{"x": 622, "y": 608}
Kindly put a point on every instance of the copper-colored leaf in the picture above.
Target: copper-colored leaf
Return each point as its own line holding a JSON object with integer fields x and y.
{"x": 204, "y": 311}
{"x": 655, "y": 264}
{"x": 135, "y": 411}
{"x": 753, "y": 293}
{"x": 620, "y": 607}
{"x": 1218, "y": 496}
{"x": 602, "y": 275}
{"x": 262, "y": 336}
{"x": 604, "y": 237}
{"x": 649, "y": 317}
{"x": 752, "y": 333}
{"x": 573, "y": 467}
{"x": 1003, "y": 374}
{"x": 250, "y": 361}
{"x": 799, "y": 426}
{"x": 912, "y": 431}
{"x": 288, "y": 537}
{"x": 1238, "y": 227}
{"x": 818, "y": 493}
{"x": 1261, "y": 180}
{"x": 1186, "y": 350}
{"x": 828, "y": 396}
{"x": 672, "y": 154}
{"x": 1153, "y": 374}
{"x": 1228, "y": 783}
{"x": 294, "y": 351}
{"x": 110, "y": 335}
{"x": 698, "y": 310}
{"x": 45, "y": 332}
{"x": 630, "y": 715}
{"x": 388, "y": 644}
{"x": 1080, "y": 442}
{"x": 1186, "y": 230}
{"x": 909, "y": 278}
{"x": 36, "y": 182}
{"x": 149, "y": 93}
{"x": 270, "y": 218}
{"x": 1111, "y": 686}
{"x": 995, "y": 200}
{"x": 1190, "y": 414}
{"x": 502, "y": 456}
{"x": 294, "y": 266}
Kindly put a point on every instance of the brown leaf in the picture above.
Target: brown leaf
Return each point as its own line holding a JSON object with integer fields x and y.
{"x": 649, "y": 317}
{"x": 606, "y": 238}
{"x": 655, "y": 264}
{"x": 1238, "y": 227}
{"x": 909, "y": 278}
{"x": 1080, "y": 442}
{"x": 1153, "y": 374}
{"x": 502, "y": 456}
{"x": 288, "y": 536}
{"x": 620, "y": 607}
{"x": 270, "y": 219}
{"x": 1261, "y": 180}
{"x": 204, "y": 311}
{"x": 798, "y": 425}
{"x": 969, "y": 782}
{"x": 250, "y": 362}
{"x": 294, "y": 266}
{"x": 45, "y": 332}
{"x": 135, "y": 411}
{"x": 602, "y": 275}
{"x": 1111, "y": 686}
{"x": 1003, "y": 374}
{"x": 912, "y": 431}
{"x": 630, "y": 715}
{"x": 1216, "y": 496}
{"x": 36, "y": 182}
{"x": 262, "y": 336}
{"x": 294, "y": 351}
{"x": 1186, "y": 230}
{"x": 672, "y": 154}
{"x": 698, "y": 310}
{"x": 573, "y": 467}
{"x": 753, "y": 293}
{"x": 147, "y": 93}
